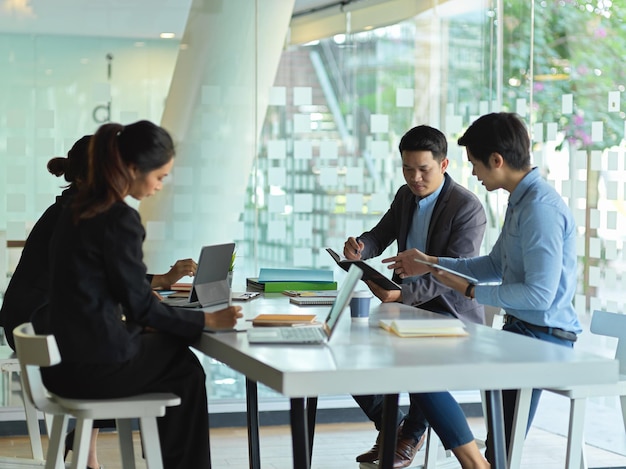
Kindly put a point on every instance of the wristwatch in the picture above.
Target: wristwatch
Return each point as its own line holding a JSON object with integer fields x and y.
{"x": 468, "y": 290}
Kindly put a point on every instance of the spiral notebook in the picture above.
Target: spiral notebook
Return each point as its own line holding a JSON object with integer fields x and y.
{"x": 311, "y": 300}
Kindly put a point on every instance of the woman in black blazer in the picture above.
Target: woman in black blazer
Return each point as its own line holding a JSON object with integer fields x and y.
{"x": 116, "y": 339}
{"x": 27, "y": 291}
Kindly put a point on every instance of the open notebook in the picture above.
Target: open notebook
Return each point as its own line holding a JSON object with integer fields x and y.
{"x": 443, "y": 327}
{"x": 316, "y": 334}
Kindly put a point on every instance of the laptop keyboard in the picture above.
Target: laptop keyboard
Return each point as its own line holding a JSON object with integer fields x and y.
{"x": 303, "y": 334}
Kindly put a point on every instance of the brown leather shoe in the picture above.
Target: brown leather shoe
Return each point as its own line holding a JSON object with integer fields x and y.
{"x": 402, "y": 446}
{"x": 372, "y": 454}
{"x": 406, "y": 449}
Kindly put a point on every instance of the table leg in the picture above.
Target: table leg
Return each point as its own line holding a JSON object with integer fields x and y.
{"x": 299, "y": 437}
{"x": 252, "y": 407}
{"x": 388, "y": 431}
{"x": 495, "y": 424}
{"x": 520, "y": 422}
{"x": 311, "y": 410}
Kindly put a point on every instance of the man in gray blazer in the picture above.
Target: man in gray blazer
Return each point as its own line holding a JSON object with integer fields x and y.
{"x": 432, "y": 212}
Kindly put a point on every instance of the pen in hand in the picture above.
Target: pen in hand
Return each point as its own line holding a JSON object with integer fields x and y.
{"x": 352, "y": 248}
{"x": 358, "y": 246}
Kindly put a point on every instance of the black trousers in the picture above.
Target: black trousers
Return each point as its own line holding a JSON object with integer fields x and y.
{"x": 163, "y": 364}
{"x": 415, "y": 423}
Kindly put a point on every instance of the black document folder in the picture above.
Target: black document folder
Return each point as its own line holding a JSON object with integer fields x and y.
{"x": 369, "y": 272}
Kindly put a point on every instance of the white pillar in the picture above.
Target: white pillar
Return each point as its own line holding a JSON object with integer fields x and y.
{"x": 215, "y": 109}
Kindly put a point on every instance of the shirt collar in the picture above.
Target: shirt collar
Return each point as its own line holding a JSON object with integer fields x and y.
{"x": 526, "y": 182}
{"x": 431, "y": 197}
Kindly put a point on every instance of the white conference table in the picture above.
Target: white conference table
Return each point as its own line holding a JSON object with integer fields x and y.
{"x": 362, "y": 358}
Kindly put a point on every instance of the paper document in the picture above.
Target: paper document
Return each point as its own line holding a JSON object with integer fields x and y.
{"x": 244, "y": 296}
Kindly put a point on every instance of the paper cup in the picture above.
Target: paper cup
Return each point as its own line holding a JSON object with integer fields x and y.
{"x": 360, "y": 305}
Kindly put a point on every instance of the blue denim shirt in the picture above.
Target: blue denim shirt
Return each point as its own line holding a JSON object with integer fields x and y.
{"x": 533, "y": 261}
{"x": 418, "y": 232}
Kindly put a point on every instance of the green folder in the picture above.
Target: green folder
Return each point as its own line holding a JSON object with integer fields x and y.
{"x": 278, "y": 287}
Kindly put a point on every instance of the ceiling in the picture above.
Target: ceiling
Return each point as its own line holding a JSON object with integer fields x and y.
{"x": 111, "y": 18}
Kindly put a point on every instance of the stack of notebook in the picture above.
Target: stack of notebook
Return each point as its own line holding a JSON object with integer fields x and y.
{"x": 279, "y": 280}
{"x": 311, "y": 297}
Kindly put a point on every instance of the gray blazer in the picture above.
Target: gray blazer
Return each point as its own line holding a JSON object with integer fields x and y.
{"x": 456, "y": 229}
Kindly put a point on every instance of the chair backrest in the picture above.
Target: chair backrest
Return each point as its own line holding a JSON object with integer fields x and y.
{"x": 612, "y": 325}
{"x": 34, "y": 351}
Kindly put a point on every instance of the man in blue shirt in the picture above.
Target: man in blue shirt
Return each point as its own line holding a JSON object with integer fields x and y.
{"x": 432, "y": 213}
{"x": 531, "y": 269}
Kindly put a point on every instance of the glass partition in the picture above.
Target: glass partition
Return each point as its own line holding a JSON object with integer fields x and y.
{"x": 322, "y": 151}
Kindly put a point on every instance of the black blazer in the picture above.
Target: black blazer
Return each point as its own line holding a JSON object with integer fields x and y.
{"x": 456, "y": 229}
{"x": 27, "y": 291}
{"x": 100, "y": 298}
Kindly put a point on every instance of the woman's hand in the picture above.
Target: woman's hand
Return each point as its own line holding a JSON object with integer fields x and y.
{"x": 181, "y": 268}
{"x": 224, "y": 318}
{"x": 404, "y": 264}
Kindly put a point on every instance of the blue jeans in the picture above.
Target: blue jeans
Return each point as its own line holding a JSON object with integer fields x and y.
{"x": 437, "y": 408}
{"x": 509, "y": 397}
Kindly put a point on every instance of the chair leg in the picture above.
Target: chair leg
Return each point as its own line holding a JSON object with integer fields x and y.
{"x": 125, "y": 435}
{"x": 575, "y": 439}
{"x": 483, "y": 403}
{"x": 32, "y": 423}
{"x": 54, "y": 456}
{"x": 622, "y": 401}
{"x": 6, "y": 386}
{"x": 432, "y": 448}
{"x": 82, "y": 441}
{"x": 151, "y": 443}
{"x": 583, "y": 457}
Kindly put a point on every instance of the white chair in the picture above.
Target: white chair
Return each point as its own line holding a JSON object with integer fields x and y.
{"x": 607, "y": 324}
{"x": 9, "y": 365}
{"x": 35, "y": 351}
{"x": 431, "y": 456}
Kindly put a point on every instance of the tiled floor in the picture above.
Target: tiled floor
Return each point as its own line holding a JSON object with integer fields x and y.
{"x": 336, "y": 445}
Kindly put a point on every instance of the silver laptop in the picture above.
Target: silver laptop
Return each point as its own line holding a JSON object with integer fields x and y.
{"x": 210, "y": 284}
{"x": 317, "y": 334}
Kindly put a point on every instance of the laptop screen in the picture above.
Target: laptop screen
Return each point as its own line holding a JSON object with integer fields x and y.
{"x": 343, "y": 298}
{"x": 213, "y": 265}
